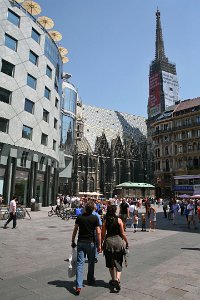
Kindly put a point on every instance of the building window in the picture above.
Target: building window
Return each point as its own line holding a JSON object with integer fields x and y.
{"x": 44, "y": 139}
{"x": 198, "y": 119}
{"x": 41, "y": 163}
{"x": 5, "y": 95}
{"x": 54, "y": 145}
{"x": 33, "y": 57}
{"x": 45, "y": 115}
{"x": 35, "y": 35}
{"x": 49, "y": 72}
{"x": 28, "y": 106}
{"x": 56, "y": 85}
{"x": 180, "y": 163}
{"x": 189, "y": 134}
{"x": 10, "y": 42}
{"x": 13, "y": 18}
{"x": 190, "y": 148}
{"x": 166, "y": 151}
{"x": 179, "y": 136}
{"x": 47, "y": 93}
{"x": 198, "y": 132}
{"x": 166, "y": 126}
{"x": 180, "y": 149}
{"x": 7, "y": 68}
{"x": 56, "y": 102}
{"x": 167, "y": 165}
{"x": 188, "y": 122}
{"x": 27, "y": 132}
{"x": 190, "y": 162}
{"x": 31, "y": 81}
{"x": 24, "y": 159}
{"x": 55, "y": 123}
{"x": 3, "y": 125}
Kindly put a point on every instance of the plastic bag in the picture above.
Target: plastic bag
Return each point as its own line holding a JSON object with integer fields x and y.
{"x": 72, "y": 263}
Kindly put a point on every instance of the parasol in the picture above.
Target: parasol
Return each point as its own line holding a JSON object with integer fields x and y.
{"x": 62, "y": 51}
{"x": 195, "y": 197}
{"x": 65, "y": 59}
{"x": 32, "y": 7}
{"x": 46, "y": 22}
{"x": 55, "y": 35}
{"x": 184, "y": 196}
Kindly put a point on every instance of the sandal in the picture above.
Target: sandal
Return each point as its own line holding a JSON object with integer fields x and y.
{"x": 117, "y": 285}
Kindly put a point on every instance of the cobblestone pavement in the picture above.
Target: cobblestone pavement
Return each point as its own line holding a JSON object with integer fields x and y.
{"x": 162, "y": 265}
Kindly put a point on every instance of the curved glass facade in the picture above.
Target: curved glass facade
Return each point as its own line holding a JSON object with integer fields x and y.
{"x": 52, "y": 53}
{"x": 67, "y": 134}
{"x": 69, "y": 101}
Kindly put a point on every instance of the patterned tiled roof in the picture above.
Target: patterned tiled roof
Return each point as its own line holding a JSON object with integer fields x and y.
{"x": 186, "y": 104}
{"x": 83, "y": 145}
{"x": 112, "y": 123}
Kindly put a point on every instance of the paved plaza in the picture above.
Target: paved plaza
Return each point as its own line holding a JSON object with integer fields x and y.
{"x": 162, "y": 265}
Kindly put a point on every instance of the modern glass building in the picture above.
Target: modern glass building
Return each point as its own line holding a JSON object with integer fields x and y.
{"x": 68, "y": 119}
{"x": 30, "y": 96}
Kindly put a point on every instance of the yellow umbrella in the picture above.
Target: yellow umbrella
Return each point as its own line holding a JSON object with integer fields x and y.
{"x": 55, "y": 35}
{"x": 65, "y": 59}
{"x": 46, "y": 22}
{"x": 32, "y": 7}
{"x": 62, "y": 51}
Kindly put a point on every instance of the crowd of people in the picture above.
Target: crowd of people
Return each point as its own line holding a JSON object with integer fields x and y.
{"x": 101, "y": 227}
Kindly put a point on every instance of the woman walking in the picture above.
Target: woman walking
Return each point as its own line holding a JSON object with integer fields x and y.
{"x": 114, "y": 243}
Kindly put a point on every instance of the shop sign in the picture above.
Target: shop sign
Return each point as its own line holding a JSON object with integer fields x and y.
{"x": 183, "y": 188}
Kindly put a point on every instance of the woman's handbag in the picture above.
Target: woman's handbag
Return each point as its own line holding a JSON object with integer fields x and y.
{"x": 72, "y": 263}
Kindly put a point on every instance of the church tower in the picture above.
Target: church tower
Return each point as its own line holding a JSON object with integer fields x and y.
{"x": 163, "y": 83}
{"x": 163, "y": 91}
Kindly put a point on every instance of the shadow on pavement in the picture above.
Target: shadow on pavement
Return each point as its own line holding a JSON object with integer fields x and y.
{"x": 194, "y": 249}
{"x": 70, "y": 285}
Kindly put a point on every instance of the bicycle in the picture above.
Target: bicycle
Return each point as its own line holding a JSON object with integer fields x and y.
{"x": 5, "y": 213}
{"x": 20, "y": 211}
{"x": 53, "y": 212}
{"x": 68, "y": 214}
{"x": 25, "y": 211}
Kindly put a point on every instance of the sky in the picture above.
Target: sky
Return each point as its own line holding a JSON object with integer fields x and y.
{"x": 111, "y": 44}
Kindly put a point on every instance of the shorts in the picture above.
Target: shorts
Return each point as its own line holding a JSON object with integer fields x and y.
{"x": 123, "y": 217}
{"x": 190, "y": 218}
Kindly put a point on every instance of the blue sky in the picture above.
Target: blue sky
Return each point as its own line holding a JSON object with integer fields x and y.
{"x": 111, "y": 44}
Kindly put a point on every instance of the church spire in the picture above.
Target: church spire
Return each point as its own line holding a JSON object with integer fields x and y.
{"x": 160, "y": 51}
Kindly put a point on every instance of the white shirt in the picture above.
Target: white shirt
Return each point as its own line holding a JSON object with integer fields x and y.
{"x": 13, "y": 206}
{"x": 191, "y": 211}
{"x": 58, "y": 201}
{"x": 132, "y": 208}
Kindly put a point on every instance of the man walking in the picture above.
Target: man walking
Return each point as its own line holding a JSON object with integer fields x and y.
{"x": 12, "y": 212}
{"x": 124, "y": 212}
{"x": 86, "y": 225}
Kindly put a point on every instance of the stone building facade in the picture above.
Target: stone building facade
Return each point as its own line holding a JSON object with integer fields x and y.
{"x": 30, "y": 94}
{"x": 176, "y": 148}
{"x": 110, "y": 149}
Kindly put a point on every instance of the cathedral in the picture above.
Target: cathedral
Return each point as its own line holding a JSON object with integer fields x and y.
{"x": 110, "y": 149}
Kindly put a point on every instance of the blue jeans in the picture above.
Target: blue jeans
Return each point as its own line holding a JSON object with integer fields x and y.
{"x": 84, "y": 249}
